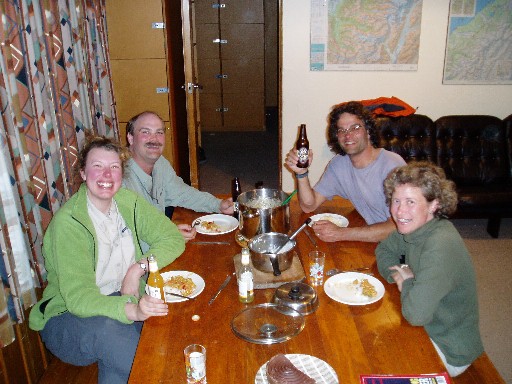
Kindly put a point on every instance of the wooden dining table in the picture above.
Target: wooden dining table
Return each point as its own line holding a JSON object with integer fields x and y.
{"x": 352, "y": 339}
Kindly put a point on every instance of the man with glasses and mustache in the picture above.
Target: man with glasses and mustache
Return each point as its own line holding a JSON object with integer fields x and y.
{"x": 151, "y": 175}
{"x": 356, "y": 173}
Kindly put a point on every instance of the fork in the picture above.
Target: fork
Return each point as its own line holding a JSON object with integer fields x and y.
{"x": 335, "y": 271}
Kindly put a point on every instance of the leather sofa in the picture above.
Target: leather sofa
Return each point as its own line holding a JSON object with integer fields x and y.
{"x": 474, "y": 151}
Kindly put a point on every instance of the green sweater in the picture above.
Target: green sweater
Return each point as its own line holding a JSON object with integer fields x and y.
{"x": 71, "y": 252}
{"x": 442, "y": 296}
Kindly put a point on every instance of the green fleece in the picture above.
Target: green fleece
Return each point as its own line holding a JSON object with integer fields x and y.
{"x": 71, "y": 253}
{"x": 442, "y": 296}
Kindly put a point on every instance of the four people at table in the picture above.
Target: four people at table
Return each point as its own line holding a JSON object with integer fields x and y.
{"x": 356, "y": 173}
{"x": 427, "y": 259}
{"x": 94, "y": 304}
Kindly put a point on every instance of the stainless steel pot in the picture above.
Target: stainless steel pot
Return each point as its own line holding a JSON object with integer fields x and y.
{"x": 255, "y": 221}
{"x": 264, "y": 260}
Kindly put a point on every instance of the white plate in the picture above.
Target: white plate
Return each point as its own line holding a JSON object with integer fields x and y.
{"x": 340, "y": 288}
{"x": 225, "y": 223}
{"x": 198, "y": 281}
{"x": 312, "y": 366}
{"x": 340, "y": 221}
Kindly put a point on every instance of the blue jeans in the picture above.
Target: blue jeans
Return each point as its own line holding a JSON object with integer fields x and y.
{"x": 86, "y": 340}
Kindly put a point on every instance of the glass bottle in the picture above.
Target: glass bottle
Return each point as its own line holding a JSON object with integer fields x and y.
{"x": 236, "y": 190}
{"x": 302, "y": 147}
{"x": 245, "y": 279}
{"x": 155, "y": 281}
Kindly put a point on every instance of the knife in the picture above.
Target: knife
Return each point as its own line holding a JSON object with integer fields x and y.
{"x": 178, "y": 295}
{"x": 222, "y": 286}
{"x": 211, "y": 242}
{"x": 310, "y": 237}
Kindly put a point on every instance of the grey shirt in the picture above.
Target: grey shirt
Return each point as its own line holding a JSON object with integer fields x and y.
{"x": 164, "y": 188}
{"x": 363, "y": 187}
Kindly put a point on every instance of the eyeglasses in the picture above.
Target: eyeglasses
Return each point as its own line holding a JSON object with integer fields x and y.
{"x": 353, "y": 128}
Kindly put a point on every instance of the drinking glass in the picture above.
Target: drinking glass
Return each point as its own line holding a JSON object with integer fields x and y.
{"x": 195, "y": 364}
{"x": 316, "y": 267}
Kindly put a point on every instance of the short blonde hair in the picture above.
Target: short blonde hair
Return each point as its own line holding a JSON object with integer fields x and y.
{"x": 432, "y": 181}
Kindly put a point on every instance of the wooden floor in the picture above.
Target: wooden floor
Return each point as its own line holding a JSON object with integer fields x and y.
{"x": 63, "y": 373}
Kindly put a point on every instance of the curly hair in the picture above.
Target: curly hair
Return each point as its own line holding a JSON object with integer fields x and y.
{"x": 92, "y": 141}
{"x": 432, "y": 181}
{"x": 354, "y": 108}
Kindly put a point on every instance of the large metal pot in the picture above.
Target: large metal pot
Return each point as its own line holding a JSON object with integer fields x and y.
{"x": 264, "y": 260}
{"x": 254, "y": 220}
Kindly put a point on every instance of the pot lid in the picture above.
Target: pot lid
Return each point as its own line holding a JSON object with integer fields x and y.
{"x": 299, "y": 296}
{"x": 267, "y": 323}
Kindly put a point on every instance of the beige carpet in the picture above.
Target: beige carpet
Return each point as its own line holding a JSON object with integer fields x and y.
{"x": 492, "y": 260}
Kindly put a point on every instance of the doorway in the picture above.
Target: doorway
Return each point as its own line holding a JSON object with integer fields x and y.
{"x": 237, "y": 92}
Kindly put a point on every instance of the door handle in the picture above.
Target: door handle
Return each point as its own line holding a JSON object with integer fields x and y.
{"x": 191, "y": 86}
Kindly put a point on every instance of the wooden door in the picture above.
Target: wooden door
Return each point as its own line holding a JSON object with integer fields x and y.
{"x": 191, "y": 88}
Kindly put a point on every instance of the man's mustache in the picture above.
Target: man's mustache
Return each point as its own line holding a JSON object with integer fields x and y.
{"x": 152, "y": 144}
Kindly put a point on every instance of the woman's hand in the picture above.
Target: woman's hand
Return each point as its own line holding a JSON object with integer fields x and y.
{"x": 402, "y": 272}
{"x": 147, "y": 307}
{"x": 130, "y": 285}
{"x": 187, "y": 231}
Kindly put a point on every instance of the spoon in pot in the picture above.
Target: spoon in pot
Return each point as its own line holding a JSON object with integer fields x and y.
{"x": 281, "y": 246}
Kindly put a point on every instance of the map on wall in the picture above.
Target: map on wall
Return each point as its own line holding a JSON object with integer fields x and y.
{"x": 479, "y": 42}
{"x": 365, "y": 35}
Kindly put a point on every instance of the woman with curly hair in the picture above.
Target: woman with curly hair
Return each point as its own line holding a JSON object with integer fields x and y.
{"x": 427, "y": 259}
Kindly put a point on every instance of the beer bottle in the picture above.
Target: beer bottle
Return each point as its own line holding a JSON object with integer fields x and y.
{"x": 155, "y": 281}
{"x": 245, "y": 279}
{"x": 236, "y": 190}
{"x": 302, "y": 147}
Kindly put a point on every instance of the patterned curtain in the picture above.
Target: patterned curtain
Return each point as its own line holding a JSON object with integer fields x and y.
{"x": 54, "y": 84}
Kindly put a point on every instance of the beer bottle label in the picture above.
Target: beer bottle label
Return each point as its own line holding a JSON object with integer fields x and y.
{"x": 154, "y": 292}
{"x": 303, "y": 154}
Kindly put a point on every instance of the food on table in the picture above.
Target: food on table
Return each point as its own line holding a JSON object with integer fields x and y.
{"x": 365, "y": 288}
{"x": 264, "y": 203}
{"x": 210, "y": 226}
{"x": 181, "y": 285}
{"x": 280, "y": 370}
{"x": 332, "y": 219}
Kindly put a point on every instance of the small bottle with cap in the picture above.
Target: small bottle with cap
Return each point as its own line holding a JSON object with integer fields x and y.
{"x": 155, "y": 283}
{"x": 245, "y": 279}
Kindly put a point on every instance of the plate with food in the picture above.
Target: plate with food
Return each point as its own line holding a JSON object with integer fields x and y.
{"x": 183, "y": 283}
{"x": 340, "y": 221}
{"x": 296, "y": 368}
{"x": 354, "y": 288}
{"x": 215, "y": 224}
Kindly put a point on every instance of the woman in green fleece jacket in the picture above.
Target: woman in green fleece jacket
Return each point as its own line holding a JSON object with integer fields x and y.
{"x": 427, "y": 259}
{"x": 94, "y": 304}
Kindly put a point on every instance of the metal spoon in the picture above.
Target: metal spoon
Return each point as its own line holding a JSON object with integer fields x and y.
{"x": 334, "y": 271}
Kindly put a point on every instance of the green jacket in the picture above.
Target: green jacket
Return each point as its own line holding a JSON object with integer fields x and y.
{"x": 70, "y": 251}
{"x": 442, "y": 296}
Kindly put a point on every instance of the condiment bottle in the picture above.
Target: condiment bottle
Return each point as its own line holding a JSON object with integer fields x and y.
{"x": 236, "y": 190}
{"x": 302, "y": 147}
{"x": 155, "y": 281}
{"x": 245, "y": 279}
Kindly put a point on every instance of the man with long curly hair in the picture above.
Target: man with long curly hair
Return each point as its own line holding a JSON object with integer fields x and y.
{"x": 356, "y": 173}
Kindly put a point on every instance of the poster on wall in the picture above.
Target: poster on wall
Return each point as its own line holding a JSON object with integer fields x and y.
{"x": 479, "y": 42}
{"x": 365, "y": 35}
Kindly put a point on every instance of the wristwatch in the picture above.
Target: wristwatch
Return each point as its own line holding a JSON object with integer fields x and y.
{"x": 143, "y": 266}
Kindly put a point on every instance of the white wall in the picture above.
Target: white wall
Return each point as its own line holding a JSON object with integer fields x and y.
{"x": 308, "y": 96}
